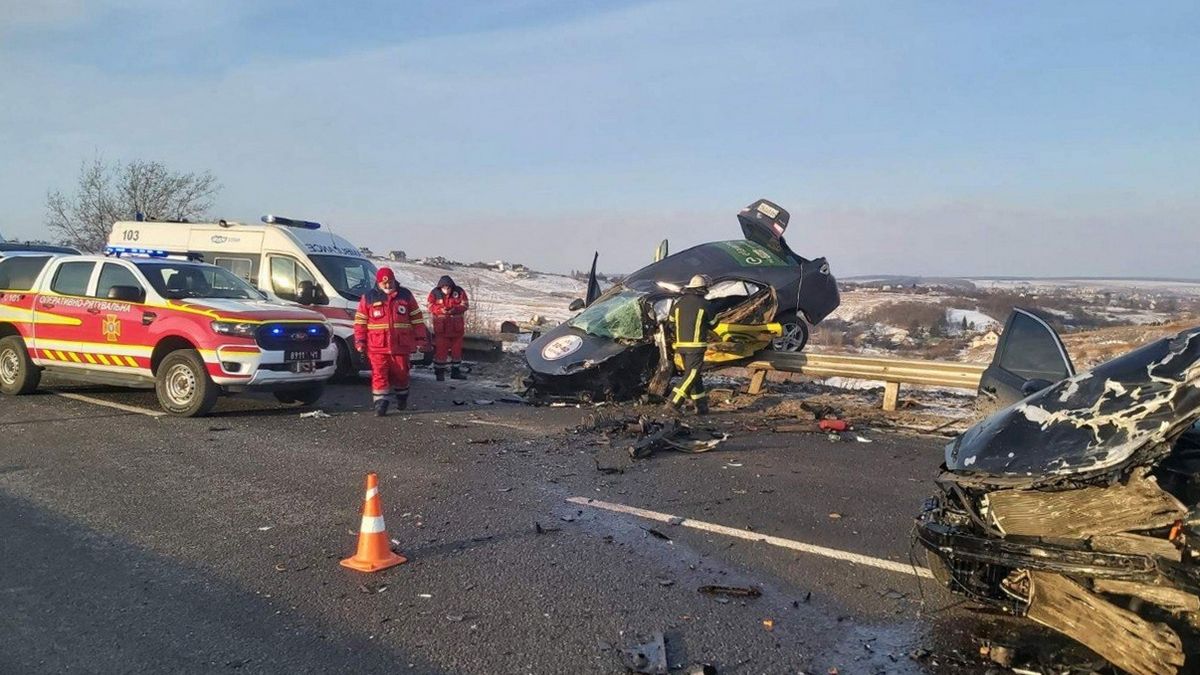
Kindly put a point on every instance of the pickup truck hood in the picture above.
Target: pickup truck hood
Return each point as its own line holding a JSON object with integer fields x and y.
{"x": 1092, "y": 422}
{"x": 248, "y": 310}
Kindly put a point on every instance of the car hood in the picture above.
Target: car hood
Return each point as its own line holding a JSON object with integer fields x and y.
{"x": 564, "y": 350}
{"x": 1092, "y": 422}
{"x": 247, "y": 310}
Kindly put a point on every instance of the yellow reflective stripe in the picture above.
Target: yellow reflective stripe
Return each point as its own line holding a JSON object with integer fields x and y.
{"x": 62, "y": 356}
{"x": 131, "y": 361}
{"x": 699, "y": 322}
{"x": 700, "y": 395}
{"x": 46, "y": 353}
{"x": 74, "y": 357}
{"x": 681, "y": 391}
{"x": 691, "y": 344}
{"x": 89, "y": 357}
{"x": 103, "y": 359}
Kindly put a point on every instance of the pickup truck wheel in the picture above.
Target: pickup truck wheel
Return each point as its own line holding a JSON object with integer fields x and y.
{"x": 303, "y": 395}
{"x": 18, "y": 375}
{"x": 183, "y": 385}
{"x": 795, "y": 334}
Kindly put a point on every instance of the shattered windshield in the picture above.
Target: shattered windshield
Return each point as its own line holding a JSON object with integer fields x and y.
{"x": 618, "y": 317}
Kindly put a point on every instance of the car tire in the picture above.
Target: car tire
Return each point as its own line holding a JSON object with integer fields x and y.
{"x": 346, "y": 369}
{"x": 18, "y": 374}
{"x": 304, "y": 395}
{"x": 795, "y": 334}
{"x": 183, "y": 385}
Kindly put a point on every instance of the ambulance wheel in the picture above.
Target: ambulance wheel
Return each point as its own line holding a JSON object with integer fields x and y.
{"x": 183, "y": 385}
{"x": 345, "y": 361}
{"x": 18, "y": 375}
{"x": 795, "y": 334}
{"x": 304, "y": 395}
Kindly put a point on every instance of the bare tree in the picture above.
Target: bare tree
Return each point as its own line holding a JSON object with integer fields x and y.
{"x": 107, "y": 193}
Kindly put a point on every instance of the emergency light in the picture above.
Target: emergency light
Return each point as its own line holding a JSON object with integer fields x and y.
{"x": 130, "y": 252}
{"x": 291, "y": 222}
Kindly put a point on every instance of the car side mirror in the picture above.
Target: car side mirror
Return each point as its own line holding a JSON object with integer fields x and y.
{"x": 1034, "y": 386}
{"x": 306, "y": 293}
{"x": 127, "y": 294}
{"x": 576, "y": 305}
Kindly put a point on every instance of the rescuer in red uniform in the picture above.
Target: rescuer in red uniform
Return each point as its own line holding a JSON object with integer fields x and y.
{"x": 448, "y": 303}
{"x": 388, "y": 327}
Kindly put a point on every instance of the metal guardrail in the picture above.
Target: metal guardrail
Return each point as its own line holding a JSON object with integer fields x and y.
{"x": 892, "y": 372}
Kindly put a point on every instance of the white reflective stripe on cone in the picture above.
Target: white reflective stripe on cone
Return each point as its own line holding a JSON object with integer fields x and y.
{"x": 372, "y": 525}
{"x": 371, "y": 493}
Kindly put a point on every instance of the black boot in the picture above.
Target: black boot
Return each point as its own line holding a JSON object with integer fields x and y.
{"x": 702, "y": 406}
{"x": 457, "y": 374}
{"x": 440, "y": 374}
{"x": 381, "y": 407}
{"x": 402, "y": 402}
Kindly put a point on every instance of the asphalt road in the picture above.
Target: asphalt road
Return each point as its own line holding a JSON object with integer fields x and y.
{"x": 136, "y": 543}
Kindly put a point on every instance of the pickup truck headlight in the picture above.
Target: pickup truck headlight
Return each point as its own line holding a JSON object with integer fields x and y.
{"x": 234, "y": 328}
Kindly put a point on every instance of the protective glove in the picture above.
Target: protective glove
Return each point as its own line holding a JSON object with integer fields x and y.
{"x": 360, "y": 347}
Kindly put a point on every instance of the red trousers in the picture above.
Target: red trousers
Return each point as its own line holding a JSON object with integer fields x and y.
{"x": 447, "y": 350}
{"x": 389, "y": 375}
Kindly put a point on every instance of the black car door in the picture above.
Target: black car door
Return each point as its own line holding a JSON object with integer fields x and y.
{"x": 1029, "y": 357}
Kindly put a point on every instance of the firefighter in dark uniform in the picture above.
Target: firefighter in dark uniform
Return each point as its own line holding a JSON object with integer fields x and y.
{"x": 692, "y": 317}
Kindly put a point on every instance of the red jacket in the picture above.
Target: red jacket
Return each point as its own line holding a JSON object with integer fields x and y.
{"x": 447, "y": 310}
{"x": 389, "y": 323}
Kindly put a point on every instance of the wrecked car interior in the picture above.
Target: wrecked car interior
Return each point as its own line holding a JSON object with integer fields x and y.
{"x": 1077, "y": 504}
{"x": 765, "y": 295}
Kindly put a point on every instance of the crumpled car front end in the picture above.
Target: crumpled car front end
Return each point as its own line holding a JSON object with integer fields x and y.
{"x": 1079, "y": 508}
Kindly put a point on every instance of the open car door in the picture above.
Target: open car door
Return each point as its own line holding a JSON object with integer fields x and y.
{"x": 1029, "y": 357}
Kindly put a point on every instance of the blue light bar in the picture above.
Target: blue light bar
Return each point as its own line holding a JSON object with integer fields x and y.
{"x": 291, "y": 222}
{"x": 118, "y": 251}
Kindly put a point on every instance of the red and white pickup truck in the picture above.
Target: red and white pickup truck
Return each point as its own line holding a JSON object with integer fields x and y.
{"x": 187, "y": 329}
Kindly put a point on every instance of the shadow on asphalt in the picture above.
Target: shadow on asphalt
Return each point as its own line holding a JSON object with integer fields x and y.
{"x": 78, "y": 600}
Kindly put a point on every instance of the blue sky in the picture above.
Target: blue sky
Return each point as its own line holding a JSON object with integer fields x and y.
{"x": 999, "y": 138}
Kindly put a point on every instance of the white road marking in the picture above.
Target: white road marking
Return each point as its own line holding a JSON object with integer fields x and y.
{"x": 109, "y": 404}
{"x": 506, "y": 425}
{"x": 845, "y": 556}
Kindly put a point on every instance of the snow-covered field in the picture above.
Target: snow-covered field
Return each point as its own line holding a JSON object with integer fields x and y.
{"x": 496, "y": 296}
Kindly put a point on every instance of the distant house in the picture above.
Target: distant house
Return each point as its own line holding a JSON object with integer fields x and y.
{"x": 398, "y": 256}
{"x": 988, "y": 339}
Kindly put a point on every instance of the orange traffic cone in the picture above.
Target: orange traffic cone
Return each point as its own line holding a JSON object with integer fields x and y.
{"x": 374, "y": 548}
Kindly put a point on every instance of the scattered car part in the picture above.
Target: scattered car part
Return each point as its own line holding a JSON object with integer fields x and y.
{"x": 649, "y": 658}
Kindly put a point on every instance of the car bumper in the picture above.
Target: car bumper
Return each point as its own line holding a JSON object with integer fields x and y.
{"x": 246, "y": 367}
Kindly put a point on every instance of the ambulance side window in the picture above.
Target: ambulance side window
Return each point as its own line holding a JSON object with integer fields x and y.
{"x": 72, "y": 278}
{"x": 243, "y": 267}
{"x": 113, "y": 274}
{"x": 285, "y": 275}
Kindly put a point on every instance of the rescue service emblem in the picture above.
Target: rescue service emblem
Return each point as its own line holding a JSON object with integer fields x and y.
{"x": 111, "y": 327}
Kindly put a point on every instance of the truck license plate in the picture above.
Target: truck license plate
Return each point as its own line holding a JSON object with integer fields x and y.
{"x": 293, "y": 355}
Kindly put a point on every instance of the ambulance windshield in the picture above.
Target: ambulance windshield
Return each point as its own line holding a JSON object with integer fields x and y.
{"x": 177, "y": 281}
{"x": 350, "y": 277}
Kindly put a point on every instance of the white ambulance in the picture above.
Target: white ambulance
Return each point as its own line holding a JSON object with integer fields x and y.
{"x": 290, "y": 260}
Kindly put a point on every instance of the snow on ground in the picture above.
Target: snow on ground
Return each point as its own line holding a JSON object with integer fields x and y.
{"x": 978, "y": 321}
{"x": 495, "y": 296}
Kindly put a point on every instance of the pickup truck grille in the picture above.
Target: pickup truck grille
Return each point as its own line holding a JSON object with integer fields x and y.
{"x": 282, "y": 336}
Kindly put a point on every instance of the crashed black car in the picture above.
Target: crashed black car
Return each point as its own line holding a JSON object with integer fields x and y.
{"x": 1075, "y": 504}
{"x": 765, "y": 294}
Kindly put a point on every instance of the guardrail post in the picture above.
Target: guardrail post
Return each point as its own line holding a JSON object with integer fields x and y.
{"x": 757, "y": 379}
{"x": 891, "y": 394}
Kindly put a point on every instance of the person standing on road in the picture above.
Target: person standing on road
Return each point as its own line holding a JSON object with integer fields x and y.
{"x": 448, "y": 304}
{"x": 388, "y": 327}
{"x": 692, "y": 317}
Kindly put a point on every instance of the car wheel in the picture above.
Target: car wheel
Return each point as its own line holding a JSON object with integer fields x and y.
{"x": 304, "y": 395}
{"x": 345, "y": 361}
{"x": 18, "y": 375}
{"x": 183, "y": 385}
{"x": 795, "y": 334}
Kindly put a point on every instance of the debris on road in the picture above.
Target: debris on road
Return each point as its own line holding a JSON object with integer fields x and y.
{"x": 649, "y": 658}
{"x": 538, "y": 529}
{"x": 833, "y": 425}
{"x": 656, "y": 534}
{"x": 315, "y": 415}
{"x": 734, "y": 591}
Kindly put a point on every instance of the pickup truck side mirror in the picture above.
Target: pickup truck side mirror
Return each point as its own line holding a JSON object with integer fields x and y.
{"x": 576, "y": 305}
{"x": 127, "y": 294}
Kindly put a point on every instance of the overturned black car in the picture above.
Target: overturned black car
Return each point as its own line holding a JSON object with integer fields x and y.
{"x": 765, "y": 294}
{"x": 1076, "y": 504}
